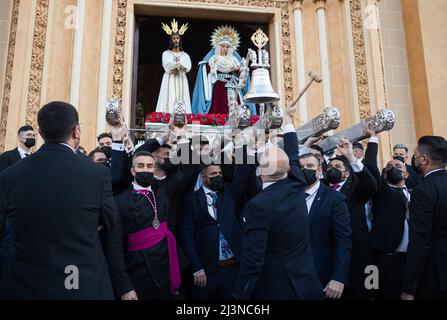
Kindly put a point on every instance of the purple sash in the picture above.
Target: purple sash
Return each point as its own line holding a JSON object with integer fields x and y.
{"x": 149, "y": 237}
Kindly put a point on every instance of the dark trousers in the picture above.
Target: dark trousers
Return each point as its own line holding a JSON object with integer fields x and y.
{"x": 219, "y": 286}
{"x": 391, "y": 269}
{"x": 431, "y": 295}
{"x": 357, "y": 289}
{"x": 5, "y": 251}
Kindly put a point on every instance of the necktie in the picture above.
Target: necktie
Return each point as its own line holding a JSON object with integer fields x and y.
{"x": 214, "y": 203}
{"x": 335, "y": 187}
{"x": 224, "y": 249}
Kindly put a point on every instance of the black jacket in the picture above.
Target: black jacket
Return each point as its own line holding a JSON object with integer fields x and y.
{"x": 389, "y": 210}
{"x": 54, "y": 202}
{"x": 277, "y": 261}
{"x": 427, "y": 250}
{"x": 8, "y": 158}
{"x": 199, "y": 232}
{"x": 330, "y": 235}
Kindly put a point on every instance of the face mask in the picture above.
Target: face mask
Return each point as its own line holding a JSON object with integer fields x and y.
{"x": 394, "y": 176}
{"x": 30, "y": 142}
{"x": 144, "y": 179}
{"x": 399, "y": 158}
{"x": 334, "y": 175}
{"x": 216, "y": 183}
{"x": 107, "y": 151}
{"x": 167, "y": 166}
{"x": 310, "y": 176}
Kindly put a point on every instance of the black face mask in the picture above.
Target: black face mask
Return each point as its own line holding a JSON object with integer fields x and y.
{"x": 310, "y": 176}
{"x": 394, "y": 176}
{"x": 334, "y": 175}
{"x": 30, "y": 142}
{"x": 144, "y": 179}
{"x": 167, "y": 166}
{"x": 399, "y": 158}
{"x": 107, "y": 151}
{"x": 216, "y": 183}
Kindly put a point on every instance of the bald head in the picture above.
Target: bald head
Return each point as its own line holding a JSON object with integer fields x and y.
{"x": 274, "y": 164}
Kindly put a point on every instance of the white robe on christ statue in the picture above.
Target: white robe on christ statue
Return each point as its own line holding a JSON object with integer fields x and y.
{"x": 174, "y": 86}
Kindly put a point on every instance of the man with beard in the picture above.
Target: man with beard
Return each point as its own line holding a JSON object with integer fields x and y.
{"x": 176, "y": 63}
{"x": 425, "y": 276}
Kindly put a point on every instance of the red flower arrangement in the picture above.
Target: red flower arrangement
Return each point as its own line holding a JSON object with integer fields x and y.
{"x": 203, "y": 119}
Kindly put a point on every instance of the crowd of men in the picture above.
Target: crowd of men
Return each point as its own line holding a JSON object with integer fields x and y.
{"x": 282, "y": 221}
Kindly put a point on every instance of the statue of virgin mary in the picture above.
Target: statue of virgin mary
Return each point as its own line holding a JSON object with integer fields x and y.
{"x": 218, "y": 67}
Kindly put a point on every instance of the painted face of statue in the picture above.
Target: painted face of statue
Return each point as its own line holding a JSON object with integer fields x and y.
{"x": 224, "y": 49}
{"x": 175, "y": 39}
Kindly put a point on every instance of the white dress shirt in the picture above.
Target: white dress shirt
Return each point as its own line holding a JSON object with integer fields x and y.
{"x": 340, "y": 185}
{"x": 23, "y": 153}
{"x": 209, "y": 201}
{"x": 267, "y": 184}
{"x": 433, "y": 171}
{"x": 403, "y": 246}
{"x": 67, "y": 145}
{"x": 312, "y": 194}
{"x": 137, "y": 187}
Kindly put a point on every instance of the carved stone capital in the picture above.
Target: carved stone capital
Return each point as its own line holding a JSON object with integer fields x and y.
{"x": 320, "y": 4}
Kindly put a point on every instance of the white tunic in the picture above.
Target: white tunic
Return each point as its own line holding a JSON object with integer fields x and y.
{"x": 174, "y": 86}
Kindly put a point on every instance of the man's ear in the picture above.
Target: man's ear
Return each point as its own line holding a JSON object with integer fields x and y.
{"x": 76, "y": 133}
{"x": 132, "y": 171}
{"x": 406, "y": 175}
{"x": 289, "y": 169}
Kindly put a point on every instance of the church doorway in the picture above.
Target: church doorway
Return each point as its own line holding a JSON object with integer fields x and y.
{"x": 150, "y": 43}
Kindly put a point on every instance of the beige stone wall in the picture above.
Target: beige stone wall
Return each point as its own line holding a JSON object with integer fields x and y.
{"x": 397, "y": 77}
{"x": 427, "y": 48}
{"x": 5, "y": 13}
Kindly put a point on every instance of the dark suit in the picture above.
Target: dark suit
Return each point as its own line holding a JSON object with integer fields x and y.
{"x": 358, "y": 189}
{"x": 413, "y": 178}
{"x": 330, "y": 235}
{"x": 425, "y": 271}
{"x": 147, "y": 269}
{"x": 199, "y": 235}
{"x": 277, "y": 261}
{"x": 389, "y": 211}
{"x": 54, "y": 202}
{"x": 7, "y": 159}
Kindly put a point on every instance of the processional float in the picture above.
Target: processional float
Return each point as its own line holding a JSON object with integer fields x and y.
{"x": 261, "y": 92}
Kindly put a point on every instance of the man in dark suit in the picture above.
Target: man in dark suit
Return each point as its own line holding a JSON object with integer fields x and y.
{"x": 211, "y": 233}
{"x": 425, "y": 274}
{"x": 389, "y": 234}
{"x": 27, "y": 140}
{"x": 153, "y": 260}
{"x": 400, "y": 150}
{"x": 329, "y": 229}
{"x": 277, "y": 260}
{"x": 348, "y": 175}
{"x": 54, "y": 202}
